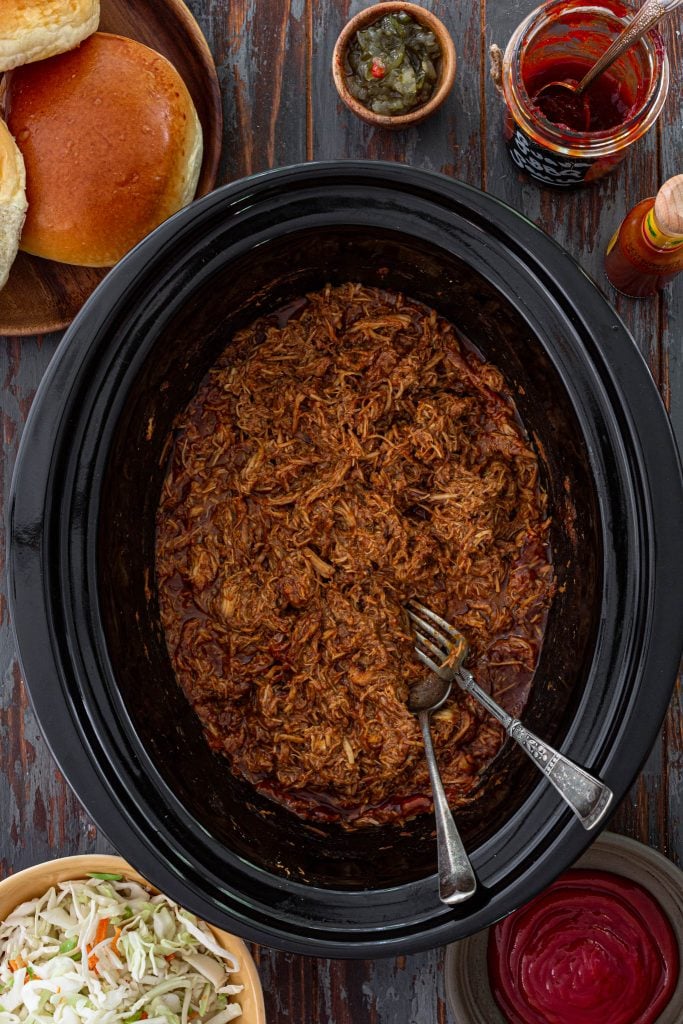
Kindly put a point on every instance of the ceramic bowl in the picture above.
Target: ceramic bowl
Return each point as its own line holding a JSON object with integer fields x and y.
{"x": 466, "y": 975}
{"x": 446, "y": 75}
{"x": 34, "y": 881}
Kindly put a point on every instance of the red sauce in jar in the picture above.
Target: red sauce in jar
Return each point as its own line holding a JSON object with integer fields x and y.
{"x": 593, "y": 948}
{"x": 604, "y": 104}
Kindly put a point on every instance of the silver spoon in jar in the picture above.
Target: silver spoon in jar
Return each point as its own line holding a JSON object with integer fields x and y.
{"x": 457, "y": 881}
{"x": 646, "y": 18}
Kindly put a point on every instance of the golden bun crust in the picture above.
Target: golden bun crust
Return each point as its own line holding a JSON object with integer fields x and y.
{"x": 12, "y": 201}
{"x": 112, "y": 145}
{"x": 35, "y": 29}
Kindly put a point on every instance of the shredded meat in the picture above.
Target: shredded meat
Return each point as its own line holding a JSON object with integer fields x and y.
{"x": 336, "y": 461}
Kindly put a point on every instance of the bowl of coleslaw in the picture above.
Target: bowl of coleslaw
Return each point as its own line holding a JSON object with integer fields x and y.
{"x": 86, "y": 940}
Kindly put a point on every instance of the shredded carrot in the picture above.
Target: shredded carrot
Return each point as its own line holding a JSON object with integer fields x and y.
{"x": 14, "y": 965}
{"x": 101, "y": 933}
{"x": 100, "y": 936}
{"x": 117, "y": 936}
{"x": 169, "y": 957}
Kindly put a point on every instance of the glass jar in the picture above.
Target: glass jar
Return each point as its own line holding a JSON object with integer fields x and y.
{"x": 571, "y": 30}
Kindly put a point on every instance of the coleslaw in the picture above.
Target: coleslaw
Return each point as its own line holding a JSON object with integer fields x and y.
{"x": 103, "y": 950}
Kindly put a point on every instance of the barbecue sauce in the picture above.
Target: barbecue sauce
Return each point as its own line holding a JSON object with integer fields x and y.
{"x": 604, "y": 104}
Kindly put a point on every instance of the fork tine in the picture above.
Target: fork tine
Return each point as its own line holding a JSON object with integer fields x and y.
{"x": 426, "y": 642}
{"x": 450, "y": 630}
{"x": 428, "y": 628}
{"x": 427, "y": 661}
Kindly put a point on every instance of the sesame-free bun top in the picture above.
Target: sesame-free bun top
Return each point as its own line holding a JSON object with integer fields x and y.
{"x": 112, "y": 145}
{"x": 12, "y": 200}
{"x": 35, "y": 29}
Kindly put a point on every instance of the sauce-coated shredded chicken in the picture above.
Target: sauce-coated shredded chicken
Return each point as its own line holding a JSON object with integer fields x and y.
{"x": 331, "y": 466}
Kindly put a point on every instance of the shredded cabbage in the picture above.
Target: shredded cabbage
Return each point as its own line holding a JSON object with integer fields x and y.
{"x": 103, "y": 950}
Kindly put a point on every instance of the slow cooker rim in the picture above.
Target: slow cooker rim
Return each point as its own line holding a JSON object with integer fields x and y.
{"x": 16, "y": 560}
{"x": 258, "y": 870}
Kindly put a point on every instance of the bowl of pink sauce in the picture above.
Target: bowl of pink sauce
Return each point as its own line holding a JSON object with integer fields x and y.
{"x": 602, "y": 945}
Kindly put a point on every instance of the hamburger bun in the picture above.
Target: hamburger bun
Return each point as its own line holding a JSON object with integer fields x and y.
{"x": 112, "y": 145}
{"x": 12, "y": 201}
{"x": 35, "y": 29}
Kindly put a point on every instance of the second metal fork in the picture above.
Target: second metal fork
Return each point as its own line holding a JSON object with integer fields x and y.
{"x": 443, "y": 649}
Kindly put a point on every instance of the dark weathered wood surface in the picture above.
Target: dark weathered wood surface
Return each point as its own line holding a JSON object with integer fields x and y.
{"x": 280, "y": 107}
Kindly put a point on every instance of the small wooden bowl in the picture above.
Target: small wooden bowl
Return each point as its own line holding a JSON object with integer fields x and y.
{"x": 446, "y": 75}
{"x": 33, "y": 882}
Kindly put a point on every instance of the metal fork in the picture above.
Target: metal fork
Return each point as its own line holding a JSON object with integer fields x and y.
{"x": 588, "y": 798}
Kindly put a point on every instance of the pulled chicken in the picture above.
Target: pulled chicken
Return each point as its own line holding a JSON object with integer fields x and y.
{"x": 338, "y": 459}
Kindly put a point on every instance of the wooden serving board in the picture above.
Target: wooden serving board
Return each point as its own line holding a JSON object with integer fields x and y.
{"x": 42, "y": 295}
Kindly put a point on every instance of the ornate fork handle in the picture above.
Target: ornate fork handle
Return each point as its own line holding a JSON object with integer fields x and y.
{"x": 588, "y": 798}
{"x": 646, "y": 18}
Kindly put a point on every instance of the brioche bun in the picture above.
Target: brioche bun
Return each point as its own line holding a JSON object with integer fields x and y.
{"x": 112, "y": 145}
{"x": 12, "y": 200}
{"x": 35, "y": 29}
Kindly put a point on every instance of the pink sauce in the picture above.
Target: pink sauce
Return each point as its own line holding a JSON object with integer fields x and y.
{"x": 593, "y": 948}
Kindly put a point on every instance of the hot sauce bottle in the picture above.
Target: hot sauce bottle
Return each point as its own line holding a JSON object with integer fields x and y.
{"x": 646, "y": 252}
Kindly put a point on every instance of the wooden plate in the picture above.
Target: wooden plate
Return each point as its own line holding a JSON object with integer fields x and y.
{"x": 33, "y": 882}
{"x": 41, "y": 295}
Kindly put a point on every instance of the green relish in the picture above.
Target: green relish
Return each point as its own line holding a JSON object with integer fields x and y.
{"x": 393, "y": 64}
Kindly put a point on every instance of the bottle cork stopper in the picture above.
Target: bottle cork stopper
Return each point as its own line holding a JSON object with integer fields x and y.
{"x": 669, "y": 206}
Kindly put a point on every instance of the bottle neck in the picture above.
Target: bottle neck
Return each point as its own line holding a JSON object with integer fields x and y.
{"x": 655, "y": 237}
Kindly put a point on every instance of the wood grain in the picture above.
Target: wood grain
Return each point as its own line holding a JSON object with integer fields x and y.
{"x": 42, "y": 295}
{"x": 280, "y": 106}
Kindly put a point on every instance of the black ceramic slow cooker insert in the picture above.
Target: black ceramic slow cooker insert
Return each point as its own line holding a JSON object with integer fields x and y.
{"x": 86, "y": 487}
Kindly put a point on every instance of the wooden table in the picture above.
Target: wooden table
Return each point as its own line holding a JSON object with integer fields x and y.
{"x": 280, "y": 107}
